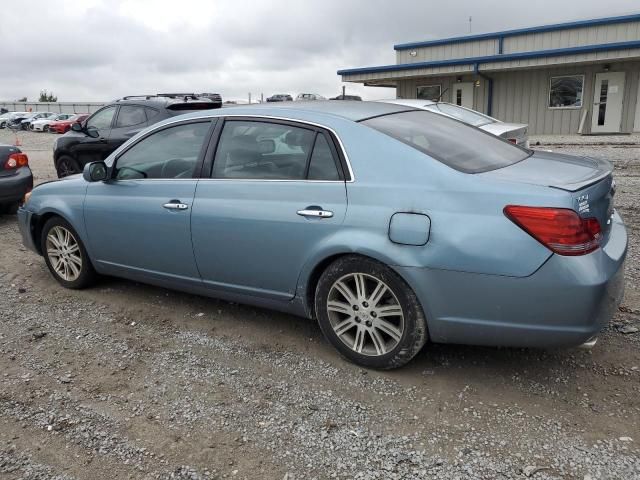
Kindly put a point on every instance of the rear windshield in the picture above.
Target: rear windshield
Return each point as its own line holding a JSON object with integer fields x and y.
{"x": 449, "y": 141}
{"x": 467, "y": 116}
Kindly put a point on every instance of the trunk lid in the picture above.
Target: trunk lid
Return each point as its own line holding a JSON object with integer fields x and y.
{"x": 589, "y": 181}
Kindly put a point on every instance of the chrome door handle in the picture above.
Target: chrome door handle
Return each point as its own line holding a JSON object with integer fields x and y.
{"x": 315, "y": 213}
{"x": 175, "y": 206}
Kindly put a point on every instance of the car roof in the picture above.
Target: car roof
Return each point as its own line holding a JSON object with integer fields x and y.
{"x": 349, "y": 109}
{"x": 409, "y": 102}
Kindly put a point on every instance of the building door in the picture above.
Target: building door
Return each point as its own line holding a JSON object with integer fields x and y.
{"x": 463, "y": 94}
{"x": 607, "y": 102}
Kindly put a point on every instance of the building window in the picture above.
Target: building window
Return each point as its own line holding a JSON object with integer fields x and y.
{"x": 566, "y": 91}
{"x": 429, "y": 92}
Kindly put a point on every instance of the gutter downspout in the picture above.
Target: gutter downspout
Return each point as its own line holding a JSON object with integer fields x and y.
{"x": 489, "y": 80}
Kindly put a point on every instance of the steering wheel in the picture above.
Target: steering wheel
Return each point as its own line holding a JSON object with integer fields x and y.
{"x": 175, "y": 168}
{"x": 140, "y": 172}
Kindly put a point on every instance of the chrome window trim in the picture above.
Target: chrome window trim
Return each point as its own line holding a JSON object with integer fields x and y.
{"x": 270, "y": 117}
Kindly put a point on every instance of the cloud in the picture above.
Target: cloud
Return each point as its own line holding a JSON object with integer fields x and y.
{"x": 99, "y": 49}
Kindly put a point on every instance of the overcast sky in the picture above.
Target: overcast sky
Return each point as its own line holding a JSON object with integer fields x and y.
{"x": 102, "y": 49}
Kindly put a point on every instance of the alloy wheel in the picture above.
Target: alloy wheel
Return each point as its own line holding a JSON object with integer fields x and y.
{"x": 64, "y": 253}
{"x": 365, "y": 314}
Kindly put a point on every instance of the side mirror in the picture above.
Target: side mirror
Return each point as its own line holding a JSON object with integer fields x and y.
{"x": 76, "y": 127}
{"x": 92, "y": 132}
{"x": 95, "y": 172}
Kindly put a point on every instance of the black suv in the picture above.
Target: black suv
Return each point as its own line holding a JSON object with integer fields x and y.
{"x": 117, "y": 122}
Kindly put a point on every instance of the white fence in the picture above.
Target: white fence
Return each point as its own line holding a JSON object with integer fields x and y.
{"x": 57, "y": 107}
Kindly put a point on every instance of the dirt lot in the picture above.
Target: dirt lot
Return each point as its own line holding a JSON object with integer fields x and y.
{"x": 130, "y": 381}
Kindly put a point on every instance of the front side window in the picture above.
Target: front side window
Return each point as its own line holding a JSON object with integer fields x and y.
{"x": 130, "y": 115}
{"x": 262, "y": 150}
{"x": 566, "y": 91}
{"x": 438, "y": 137}
{"x": 102, "y": 119}
{"x": 429, "y": 92}
{"x": 169, "y": 153}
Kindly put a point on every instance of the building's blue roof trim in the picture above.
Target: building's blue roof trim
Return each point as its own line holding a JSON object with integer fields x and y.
{"x": 521, "y": 31}
{"x": 495, "y": 58}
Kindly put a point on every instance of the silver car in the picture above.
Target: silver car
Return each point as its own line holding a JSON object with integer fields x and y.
{"x": 516, "y": 133}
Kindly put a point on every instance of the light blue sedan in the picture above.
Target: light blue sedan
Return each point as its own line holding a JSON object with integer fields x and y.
{"x": 387, "y": 224}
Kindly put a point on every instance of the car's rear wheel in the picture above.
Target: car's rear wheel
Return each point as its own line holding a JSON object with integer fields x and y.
{"x": 65, "y": 254}
{"x": 369, "y": 313}
{"x": 66, "y": 166}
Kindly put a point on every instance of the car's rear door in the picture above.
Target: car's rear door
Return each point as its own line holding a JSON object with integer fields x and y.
{"x": 130, "y": 120}
{"x": 138, "y": 222}
{"x": 277, "y": 190}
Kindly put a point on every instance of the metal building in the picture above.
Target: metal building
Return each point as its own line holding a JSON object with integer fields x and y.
{"x": 577, "y": 77}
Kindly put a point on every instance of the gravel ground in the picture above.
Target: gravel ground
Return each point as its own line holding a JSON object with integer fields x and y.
{"x": 131, "y": 381}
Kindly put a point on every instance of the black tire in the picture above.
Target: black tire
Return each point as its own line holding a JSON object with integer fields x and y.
{"x": 45, "y": 128}
{"x": 414, "y": 332}
{"x": 87, "y": 275}
{"x": 66, "y": 166}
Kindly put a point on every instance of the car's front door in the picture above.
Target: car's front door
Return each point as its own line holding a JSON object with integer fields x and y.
{"x": 90, "y": 149}
{"x": 138, "y": 221}
{"x": 276, "y": 192}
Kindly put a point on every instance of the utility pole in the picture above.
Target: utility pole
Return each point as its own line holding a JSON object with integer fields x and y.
{"x": 249, "y": 98}
{"x": 343, "y": 89}
{"x": 470, "y": 20}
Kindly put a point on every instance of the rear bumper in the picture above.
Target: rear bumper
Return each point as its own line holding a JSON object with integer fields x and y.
{"x": 565, "y": 303}
{"x": 13, "y": 188}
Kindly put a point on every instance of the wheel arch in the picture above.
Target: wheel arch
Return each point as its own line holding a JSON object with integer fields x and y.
{"x": 308, "y": 280}
{"x": 40, "y": 219}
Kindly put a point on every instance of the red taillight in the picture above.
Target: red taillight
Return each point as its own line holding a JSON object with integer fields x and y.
{"x": 560, "y": 229}
{"x": 16, "y": 160}
{"x": 512, "y": 140}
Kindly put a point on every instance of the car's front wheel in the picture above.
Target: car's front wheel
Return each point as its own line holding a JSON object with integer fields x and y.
{"x": 45, "y": 128}
{"x": 67, "y": 166}
{"x": 65, "y": 254}
{"x": 369, "y": 313}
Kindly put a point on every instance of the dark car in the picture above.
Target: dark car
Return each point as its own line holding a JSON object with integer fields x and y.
{"x": 117, "y": 122}
{"x": 216, "y": 98}
{"x": 280, "y": 97}
{"x": 15, "y": 178}
{"x": 347, "y": 97}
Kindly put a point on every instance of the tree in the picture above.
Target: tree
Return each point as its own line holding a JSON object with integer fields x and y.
{"x": 23, "y": 99}
{"x": 47, "y": 97}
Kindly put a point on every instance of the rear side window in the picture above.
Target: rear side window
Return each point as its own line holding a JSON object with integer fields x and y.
{"x": 322, "y": 165}
{"x": 262, "y": 150}
{"x": 449, "y": 141}
{"x": 130, "y": 115}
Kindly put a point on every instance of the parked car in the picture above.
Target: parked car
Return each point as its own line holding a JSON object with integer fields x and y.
{"x": 216, "y": 98}
{"x": 25, "y": 123}
{"x": 448, "y": 233}
{"x": 516, "y": 133}
{"x": 15, "y": 178}
{"x": 63, "y": 126}
{"x": 309, "y": 96}
{"x": 42, "y": 124}
{"x": 115, "y": 123}
{"x": 14, "y": 121}
{"x": 280, "y": 97}
{"x": 348, "y": 97}
{"x": 7, "y": 116}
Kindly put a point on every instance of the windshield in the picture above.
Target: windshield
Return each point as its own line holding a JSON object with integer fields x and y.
{"x": 449, "y": 141}
{"x": 467, "y": 116}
